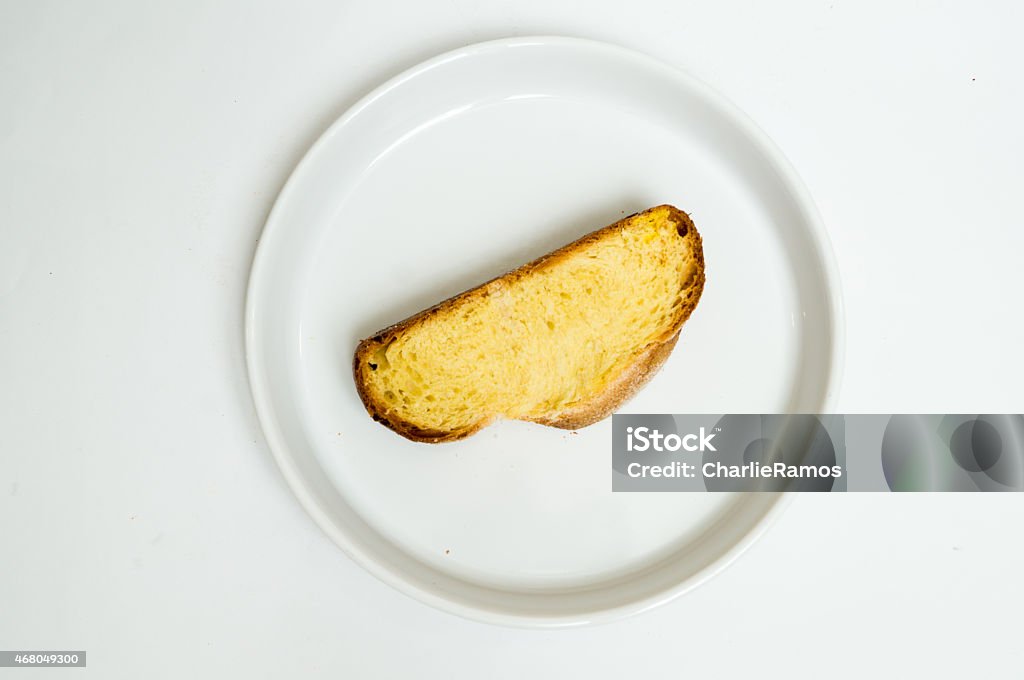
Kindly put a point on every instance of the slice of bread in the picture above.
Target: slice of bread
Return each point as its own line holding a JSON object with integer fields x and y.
{"x": 562, "y": 341}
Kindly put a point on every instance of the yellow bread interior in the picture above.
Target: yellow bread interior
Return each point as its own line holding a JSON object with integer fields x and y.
{"x": 543, "y": 339}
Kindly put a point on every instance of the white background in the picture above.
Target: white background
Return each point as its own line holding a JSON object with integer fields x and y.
{"x": 141, "y": 515}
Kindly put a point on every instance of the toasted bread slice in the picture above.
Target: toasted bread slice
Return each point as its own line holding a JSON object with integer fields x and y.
{"x": 562, "y": 341}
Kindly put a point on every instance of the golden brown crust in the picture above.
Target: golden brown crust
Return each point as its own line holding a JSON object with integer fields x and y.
{"x": 644, "y": 366}
{"x": 402, "y": 427}
{"x": 617, "y": 393}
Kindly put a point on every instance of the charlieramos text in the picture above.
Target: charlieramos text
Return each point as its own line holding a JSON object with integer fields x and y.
{"x": 648, "y": 439}
{"x": 746, "y": 471}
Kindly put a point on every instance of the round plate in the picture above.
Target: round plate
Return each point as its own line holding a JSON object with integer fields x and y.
{"x": 463, "y": 168}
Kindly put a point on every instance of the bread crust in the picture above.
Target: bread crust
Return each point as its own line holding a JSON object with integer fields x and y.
{"x": 645, "y": 364}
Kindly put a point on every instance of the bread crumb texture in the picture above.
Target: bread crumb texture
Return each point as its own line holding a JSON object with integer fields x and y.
{"x": 542, "y": 339}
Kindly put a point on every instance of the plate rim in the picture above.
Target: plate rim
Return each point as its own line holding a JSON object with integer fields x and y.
{"x": 258, "y": 384}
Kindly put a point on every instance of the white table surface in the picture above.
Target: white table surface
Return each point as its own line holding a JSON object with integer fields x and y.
{"x": 141, "y": 515}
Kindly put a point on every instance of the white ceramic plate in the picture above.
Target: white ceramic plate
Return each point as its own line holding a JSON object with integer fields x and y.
{"x": 463, "y": 168}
